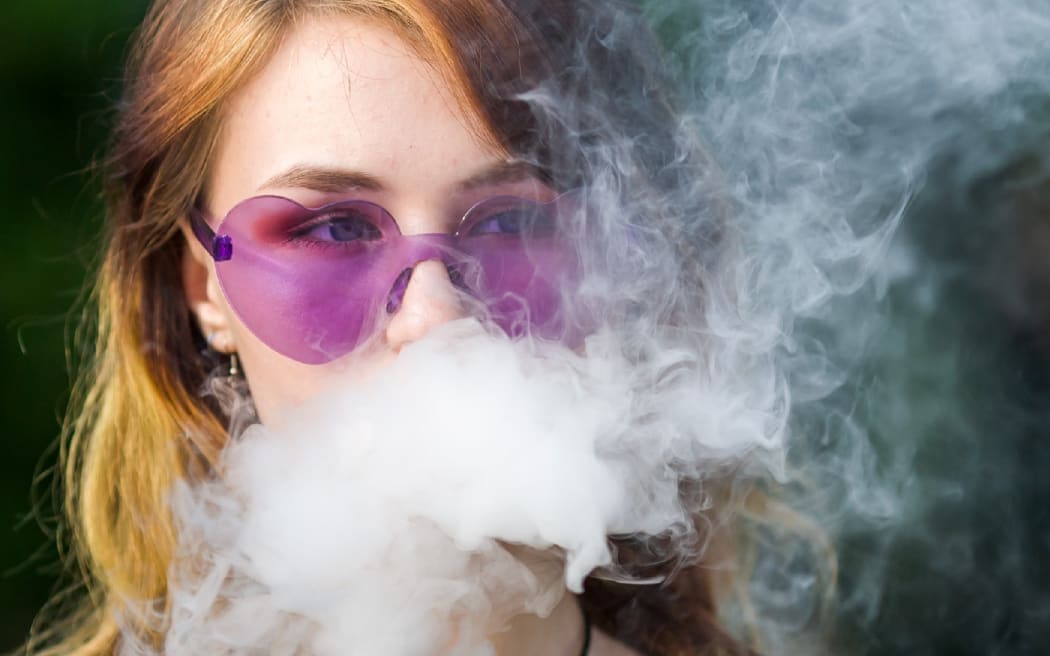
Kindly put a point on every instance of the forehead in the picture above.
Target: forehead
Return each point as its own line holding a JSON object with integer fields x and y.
{"x": 349, "y": 93}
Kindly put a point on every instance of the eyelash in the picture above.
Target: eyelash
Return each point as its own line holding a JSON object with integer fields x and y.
{"x": 297, "y": 237}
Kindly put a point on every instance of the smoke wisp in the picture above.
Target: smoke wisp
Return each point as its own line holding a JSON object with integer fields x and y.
{"x": 737, "y": 254}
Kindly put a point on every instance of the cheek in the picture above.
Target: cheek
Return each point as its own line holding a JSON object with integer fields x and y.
{"x": 277, "y": 383}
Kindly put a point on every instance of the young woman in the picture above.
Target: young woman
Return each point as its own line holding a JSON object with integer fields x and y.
{"x": 424, "y": 109}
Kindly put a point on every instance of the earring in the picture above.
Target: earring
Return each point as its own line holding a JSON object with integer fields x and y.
{"x": 214, "y": 342}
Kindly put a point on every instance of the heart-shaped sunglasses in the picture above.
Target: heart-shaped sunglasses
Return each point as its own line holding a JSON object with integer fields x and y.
{"x": 314, "y": 283}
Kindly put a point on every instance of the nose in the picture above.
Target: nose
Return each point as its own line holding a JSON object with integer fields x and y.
{"x": 430, "y": 299}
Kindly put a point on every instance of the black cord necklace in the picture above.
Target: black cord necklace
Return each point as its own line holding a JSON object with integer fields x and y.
{"x": 586, "y": 633}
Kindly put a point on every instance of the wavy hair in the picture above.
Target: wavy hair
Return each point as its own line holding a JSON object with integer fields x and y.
{"x": 138, "y": 422}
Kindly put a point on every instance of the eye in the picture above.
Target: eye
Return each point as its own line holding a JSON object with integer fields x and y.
{"x": 524, "y": 218}
{"x": 345, "y": 226}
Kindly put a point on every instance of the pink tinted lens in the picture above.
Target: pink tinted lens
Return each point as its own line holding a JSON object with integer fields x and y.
{"x": 312, "y": 284}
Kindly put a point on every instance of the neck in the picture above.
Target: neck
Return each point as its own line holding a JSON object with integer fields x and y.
{"x": 559, "y": 634}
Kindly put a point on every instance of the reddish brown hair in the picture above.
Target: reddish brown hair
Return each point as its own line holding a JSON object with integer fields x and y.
{"x": 139, "y": 423}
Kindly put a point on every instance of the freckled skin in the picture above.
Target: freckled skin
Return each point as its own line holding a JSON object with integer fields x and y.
{"x": 349, "y": 94}
{"x": 345, "y": 94}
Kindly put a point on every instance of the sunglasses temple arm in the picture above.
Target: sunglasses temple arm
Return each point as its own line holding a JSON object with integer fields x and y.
{"x": 219, "y": 247}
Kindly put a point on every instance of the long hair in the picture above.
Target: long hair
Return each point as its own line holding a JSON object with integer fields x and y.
{"x": 138, "y": 422}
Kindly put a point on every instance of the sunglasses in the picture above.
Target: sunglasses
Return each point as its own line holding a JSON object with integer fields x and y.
{"x": 315, "y": 283}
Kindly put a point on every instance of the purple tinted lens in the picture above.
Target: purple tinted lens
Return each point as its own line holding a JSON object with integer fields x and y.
{"x": 524, "y": 263}
{"x": 511, "y": 216}
{"x": 314, "y": 283}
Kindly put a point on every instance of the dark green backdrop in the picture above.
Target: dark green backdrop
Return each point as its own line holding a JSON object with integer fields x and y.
{"x": 59, "y": 61}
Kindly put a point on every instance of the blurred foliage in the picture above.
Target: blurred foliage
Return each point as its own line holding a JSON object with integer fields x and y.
{"x": 59, "y": 71}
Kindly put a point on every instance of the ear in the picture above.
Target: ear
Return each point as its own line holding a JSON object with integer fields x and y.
{"x": 203, "y": 295}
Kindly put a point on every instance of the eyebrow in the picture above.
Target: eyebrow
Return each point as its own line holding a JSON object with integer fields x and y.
{"x": 501, "y": 173}
{"x": 335, "y": 180}
{"x": 321, "y": 178}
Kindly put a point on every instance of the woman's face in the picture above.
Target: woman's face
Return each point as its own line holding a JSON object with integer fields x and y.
{"x": 346, "y": 109}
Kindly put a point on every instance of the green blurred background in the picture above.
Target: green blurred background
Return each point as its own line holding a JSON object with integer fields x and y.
{"x": 59, "y": 68}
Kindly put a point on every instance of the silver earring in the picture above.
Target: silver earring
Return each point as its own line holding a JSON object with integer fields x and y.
{"x": 234, "y": 368}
